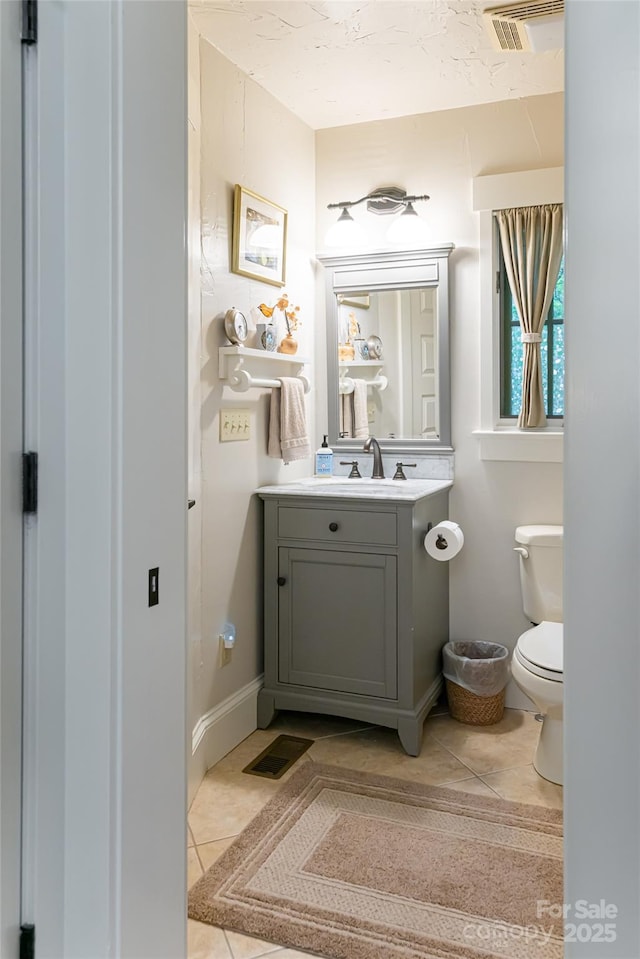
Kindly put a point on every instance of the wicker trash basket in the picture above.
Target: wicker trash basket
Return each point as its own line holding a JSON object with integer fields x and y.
{"x": 476, "y": 674}
{"x": 474, "y": 710}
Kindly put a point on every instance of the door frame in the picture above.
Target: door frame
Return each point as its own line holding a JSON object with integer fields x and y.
{"x": 10, "y": 474}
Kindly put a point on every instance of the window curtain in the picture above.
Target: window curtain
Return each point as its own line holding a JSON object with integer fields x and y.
{"x": 531, "y": 240}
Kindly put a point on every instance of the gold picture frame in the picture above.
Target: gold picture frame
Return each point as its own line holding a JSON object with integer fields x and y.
{"x": 259, "y": 241}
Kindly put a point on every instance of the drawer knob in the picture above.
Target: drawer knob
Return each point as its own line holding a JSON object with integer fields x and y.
{"x": 333, "y": 527}
{"x": 281, "y": 580}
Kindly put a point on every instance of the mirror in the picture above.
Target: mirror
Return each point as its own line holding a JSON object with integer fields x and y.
{"x": 388, "y": 349}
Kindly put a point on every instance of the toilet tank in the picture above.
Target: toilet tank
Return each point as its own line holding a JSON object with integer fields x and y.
{"x": 541, "y": 572}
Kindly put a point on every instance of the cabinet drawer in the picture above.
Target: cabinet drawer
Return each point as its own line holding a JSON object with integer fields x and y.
{"x": 337, "y": 525}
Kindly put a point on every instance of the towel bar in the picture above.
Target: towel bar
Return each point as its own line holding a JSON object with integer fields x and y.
{"x": 241, "y": 380}
{"x": 380, "y": 382}
{"x": 235, "y": 364}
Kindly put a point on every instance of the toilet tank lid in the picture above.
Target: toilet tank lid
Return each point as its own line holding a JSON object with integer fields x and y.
{"x": 539, "y": 535}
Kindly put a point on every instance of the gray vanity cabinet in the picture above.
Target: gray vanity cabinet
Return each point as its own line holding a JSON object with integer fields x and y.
{"x": 356, "y": 612}
{"x": 327, "y": 638}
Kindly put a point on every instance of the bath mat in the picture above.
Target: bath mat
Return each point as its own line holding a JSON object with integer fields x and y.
{"x": 350, "y": 865}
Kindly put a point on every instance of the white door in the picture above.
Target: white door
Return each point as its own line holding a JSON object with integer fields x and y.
{"x": 424, "y": 360}
{"x": 10, "y": 475}
{"x": 105, "y": 320}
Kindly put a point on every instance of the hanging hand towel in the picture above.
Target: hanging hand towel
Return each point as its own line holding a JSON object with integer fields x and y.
{"x": 360, "y": 419}
{"x": 346, "y": 414}
{"x": 288, "y": 438}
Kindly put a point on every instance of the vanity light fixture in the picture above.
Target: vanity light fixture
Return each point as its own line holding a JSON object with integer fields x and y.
{"x": 345, "y": 232}
{"x": 409, "y": 227}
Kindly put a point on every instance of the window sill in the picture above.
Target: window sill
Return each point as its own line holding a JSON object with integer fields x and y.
{"x": 535, "y": 446}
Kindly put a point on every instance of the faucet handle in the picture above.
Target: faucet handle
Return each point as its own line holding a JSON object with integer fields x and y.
{"x": 399, "y": 473}
{"x": 355, "y": 472}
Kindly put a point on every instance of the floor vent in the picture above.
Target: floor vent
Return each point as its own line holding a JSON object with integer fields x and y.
{"x": 273, "y": 762}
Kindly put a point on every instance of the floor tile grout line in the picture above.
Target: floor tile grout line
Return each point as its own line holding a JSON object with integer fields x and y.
{"x": 486, "y": 772}
{"x": 199, "y": 858}
{"x": 208, "y": 842}
{"x": 495, "y": 791}
{"x": 505, "y": 769}
{"x": 224, "y": 933}
{"x": 451, "y": 753}
{"x": 453, "y": 782}
{"x": 190, "y": 831}
{"x": 259, "y": 955}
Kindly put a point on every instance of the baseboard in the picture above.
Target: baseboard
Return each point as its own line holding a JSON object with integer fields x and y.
{"x": 221, "y": 729}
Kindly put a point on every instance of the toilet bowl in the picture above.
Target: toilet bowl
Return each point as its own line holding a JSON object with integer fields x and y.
{"x": 537, "y": 669}
{"x": 537, "y": 663}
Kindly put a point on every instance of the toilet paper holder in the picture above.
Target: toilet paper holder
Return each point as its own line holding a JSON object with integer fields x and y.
{"x": 441, "y": 542}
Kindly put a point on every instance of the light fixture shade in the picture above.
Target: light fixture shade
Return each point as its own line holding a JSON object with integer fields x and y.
{"x": 345, "y": 232}
{"x": 409, "y": 229}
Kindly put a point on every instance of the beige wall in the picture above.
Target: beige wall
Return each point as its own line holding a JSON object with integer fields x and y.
{"x": 247, "y": 137}
{"x": 439, "y": 154}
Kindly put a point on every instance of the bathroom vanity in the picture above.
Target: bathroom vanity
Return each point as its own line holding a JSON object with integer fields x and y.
{"x": 355, "y": 611}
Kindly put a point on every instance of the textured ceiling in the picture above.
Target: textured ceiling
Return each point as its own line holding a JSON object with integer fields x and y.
{"x": 334, "y": 62}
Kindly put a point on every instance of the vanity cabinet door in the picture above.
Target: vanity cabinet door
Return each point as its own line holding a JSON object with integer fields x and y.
{"x": 337, "y": 616}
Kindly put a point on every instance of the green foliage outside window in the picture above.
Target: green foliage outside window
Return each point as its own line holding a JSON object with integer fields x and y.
{"x": 551, "y": 353}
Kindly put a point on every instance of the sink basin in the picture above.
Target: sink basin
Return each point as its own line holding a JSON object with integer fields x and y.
{"x": 353, "y": 483}
{"x": 341, "y": 486}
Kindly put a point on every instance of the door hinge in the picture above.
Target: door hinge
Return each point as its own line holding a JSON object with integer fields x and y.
{"x": 29, "y": 482}
{"x": 29, "y": 33}
{"x": 27, "y": 941}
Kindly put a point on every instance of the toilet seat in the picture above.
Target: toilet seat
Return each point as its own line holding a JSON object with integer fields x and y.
{"x": 540, "y": 649}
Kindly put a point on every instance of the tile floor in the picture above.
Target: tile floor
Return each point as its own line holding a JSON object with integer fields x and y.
{"x": 489, "y": 761}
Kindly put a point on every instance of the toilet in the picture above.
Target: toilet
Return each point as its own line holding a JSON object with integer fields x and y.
{"x": 537, "y": 659}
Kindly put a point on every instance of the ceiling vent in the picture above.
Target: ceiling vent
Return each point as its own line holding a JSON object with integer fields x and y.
{"x": 533, "y": 26}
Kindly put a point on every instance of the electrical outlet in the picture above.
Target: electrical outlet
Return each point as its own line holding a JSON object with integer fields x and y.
{"x": 225, "y": 653}
{"x": 234, "y": 425}
{"x": 227, "y": 640}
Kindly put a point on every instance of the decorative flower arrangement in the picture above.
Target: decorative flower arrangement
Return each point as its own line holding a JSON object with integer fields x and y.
{"x": 291, "y": 313}
{"x": 354, "y": 328}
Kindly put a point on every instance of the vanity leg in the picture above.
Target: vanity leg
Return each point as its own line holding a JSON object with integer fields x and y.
{"x": 266, "y": 709}
{"x": 410, "y": 735}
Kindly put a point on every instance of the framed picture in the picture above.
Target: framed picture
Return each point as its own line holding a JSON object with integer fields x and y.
{"x": 259, "y": 237}
{"x": 354, "y": 300}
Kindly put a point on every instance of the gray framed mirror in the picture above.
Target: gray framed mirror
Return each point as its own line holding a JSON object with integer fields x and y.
{"x": 388, "y": 349}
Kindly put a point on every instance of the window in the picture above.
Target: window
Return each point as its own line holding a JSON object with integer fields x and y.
{"x": 551, "y": 352}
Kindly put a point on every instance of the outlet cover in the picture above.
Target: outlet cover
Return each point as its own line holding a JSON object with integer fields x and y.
{"x": 235, "y": 425}
{"x": 225, "y": 653}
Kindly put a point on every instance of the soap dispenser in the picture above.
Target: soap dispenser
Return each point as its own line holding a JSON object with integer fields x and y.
{"x": 324, "y": 459}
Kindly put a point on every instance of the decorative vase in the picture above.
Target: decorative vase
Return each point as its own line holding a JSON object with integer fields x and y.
{"x": 288, "y": 345}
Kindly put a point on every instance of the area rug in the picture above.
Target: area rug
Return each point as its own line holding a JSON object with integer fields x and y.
{"x": 350, "y": 865}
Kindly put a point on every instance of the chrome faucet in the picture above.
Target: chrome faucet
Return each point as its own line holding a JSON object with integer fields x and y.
{"x": 372, "y": 446}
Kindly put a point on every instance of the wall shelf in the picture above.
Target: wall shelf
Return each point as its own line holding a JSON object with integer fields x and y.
{"x": 378, "y": 381}
{"x": 242, "y": 368}
{"x": 345, "y": 364}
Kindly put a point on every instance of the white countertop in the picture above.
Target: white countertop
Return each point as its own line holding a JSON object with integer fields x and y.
{"x": 340, "y": 487}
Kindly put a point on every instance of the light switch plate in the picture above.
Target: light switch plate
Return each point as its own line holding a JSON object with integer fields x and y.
{"x": 235, "y": 425}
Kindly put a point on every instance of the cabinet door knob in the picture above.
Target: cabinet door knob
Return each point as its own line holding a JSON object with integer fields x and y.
{"x": 333, "y": 527}
{"x": 281, "y": 580}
